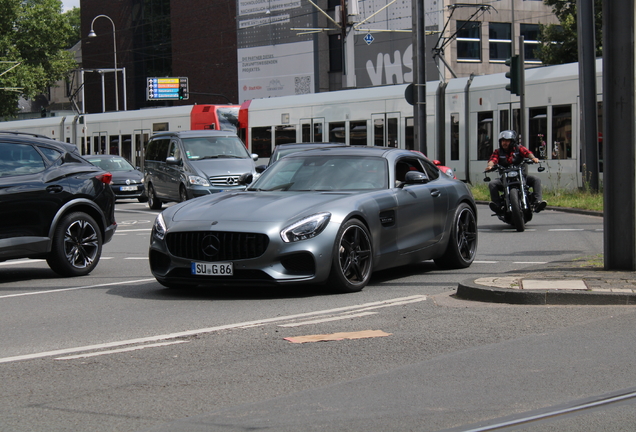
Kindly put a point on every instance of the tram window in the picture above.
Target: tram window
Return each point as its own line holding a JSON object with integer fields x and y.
{"x": 409, "y": 139}
{"x": 358, "y": 133}
{"x": 262, "y": 141}
{"x": 538, "y": 132}
{"x": 392, "y": 132}
{"x": 285, "y": 134}
{"x": 378, "y": 132}
{"x": 561, "y": 132}
{"x": 305, "y": 132}
{"x": 126, "y": 148}
{"x": 160, "y": 127}
{"x": 504, "y": 120}
{"x": 454, "y": 136}
{"x": 317, "y": 132}
{"x": 484, "y": 135}
{"x": 337, "y": 132}
{"x": 83, "y": 145}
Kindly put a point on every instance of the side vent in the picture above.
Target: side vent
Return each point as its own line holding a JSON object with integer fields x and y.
{"x": 387, "y": 218}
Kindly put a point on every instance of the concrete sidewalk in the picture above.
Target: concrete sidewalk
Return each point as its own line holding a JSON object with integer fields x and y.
{"x": 579, "y": 282}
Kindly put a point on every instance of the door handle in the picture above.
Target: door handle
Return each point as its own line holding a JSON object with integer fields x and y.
{"x": 435, "y": 193}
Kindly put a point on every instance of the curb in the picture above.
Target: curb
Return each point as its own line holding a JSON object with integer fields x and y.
{"x": 469, "y": 290}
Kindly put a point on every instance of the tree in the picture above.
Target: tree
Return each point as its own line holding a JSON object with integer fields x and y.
{"x": 34, "y": 35}
{"x": 558, "y": 43}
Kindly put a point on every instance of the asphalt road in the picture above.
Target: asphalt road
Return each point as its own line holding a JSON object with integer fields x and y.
{"x": 115, "y": 351}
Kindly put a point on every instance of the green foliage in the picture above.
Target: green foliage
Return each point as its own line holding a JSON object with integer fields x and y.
{"x": 36, "y": 34}
{"x": 559, "y": 43}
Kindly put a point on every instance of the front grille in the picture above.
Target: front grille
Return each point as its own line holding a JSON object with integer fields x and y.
{"x": 224, "y": 181}
{"x": 215, "y": 246}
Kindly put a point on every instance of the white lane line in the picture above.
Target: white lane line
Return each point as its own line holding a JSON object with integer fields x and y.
{"x": 136, "y": 258}
{"x": 77, "y": 288}
{"x": 485, "y": 262}
{"x": 322, "y": 320}
{"x": 188, "y": 333}
{"x": 121, "y": 350}
{"x": 566, "y": 229}
{"x": 21, "y": 262}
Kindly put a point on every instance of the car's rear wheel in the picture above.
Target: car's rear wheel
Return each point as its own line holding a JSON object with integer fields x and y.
{"x": 77, "y": 245}
{"x": 462, "y": 244}
{"x": 153, "y": 202}
{"x": 352, "y": 262}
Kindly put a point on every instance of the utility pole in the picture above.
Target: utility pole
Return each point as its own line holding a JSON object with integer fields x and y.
{"x": 587, "y": 90}
{"x": 619, "y": 151}
{"x": 419, "y": 52}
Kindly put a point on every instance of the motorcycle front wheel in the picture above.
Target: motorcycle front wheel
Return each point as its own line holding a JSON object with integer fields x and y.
{"x": 517, "y": 213}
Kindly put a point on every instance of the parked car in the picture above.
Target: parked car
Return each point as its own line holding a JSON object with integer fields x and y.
{"x": 330, "y": 215}
{"x": 443, "y": 168}
{"x": 54, "y": 204}
{"x": 182, "y": 165}
{"x": 281, "y": 150}
{"x": 128, "y": 181}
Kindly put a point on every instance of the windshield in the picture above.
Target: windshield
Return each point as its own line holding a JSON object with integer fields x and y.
{"x": 112, "y": 164}
{"x": 214, "y": 147}
{"x": 324, "y": 173}
{"x": 228, "y": 118}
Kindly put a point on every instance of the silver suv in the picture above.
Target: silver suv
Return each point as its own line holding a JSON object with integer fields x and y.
{"x": 182, "y": 165}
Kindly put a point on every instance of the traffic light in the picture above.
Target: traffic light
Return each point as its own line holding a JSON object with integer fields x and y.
{"x": 514, "y": 75}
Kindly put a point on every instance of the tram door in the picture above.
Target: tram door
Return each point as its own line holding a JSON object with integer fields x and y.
{"x": 141, "y": 137}
{"x": 99, "y": 140}
{"x": 385, "y": 130}
{"x": 311, "y": 130}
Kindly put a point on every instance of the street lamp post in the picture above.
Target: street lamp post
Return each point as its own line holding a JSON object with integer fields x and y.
{"x": 93, "y": 34}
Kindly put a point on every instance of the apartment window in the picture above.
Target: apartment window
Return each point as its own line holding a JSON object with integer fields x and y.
{"x": 499, "y": 41}
{"x": 468, "y": 41}
{"x": 530, "y": 33}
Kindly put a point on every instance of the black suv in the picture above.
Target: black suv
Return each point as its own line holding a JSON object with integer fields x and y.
{"x": 53, "y": 204}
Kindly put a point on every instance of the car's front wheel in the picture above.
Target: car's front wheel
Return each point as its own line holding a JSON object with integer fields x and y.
{"x": 352, "y": 262}
{"x": 77, "y": 245}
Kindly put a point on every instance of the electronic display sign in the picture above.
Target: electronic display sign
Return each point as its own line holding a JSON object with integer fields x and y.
{"x": 167, "y": 88}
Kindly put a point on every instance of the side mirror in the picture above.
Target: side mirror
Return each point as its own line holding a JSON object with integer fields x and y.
{"x": 260, "y": 168}
{"x": 541, "y": 169}
{"x": 486, "y": 179}
{"x": 414, "y": 177}
{"x": 254, "y": 157}
{"x": 171, "y": 160}
{"x": 245, "y": 179}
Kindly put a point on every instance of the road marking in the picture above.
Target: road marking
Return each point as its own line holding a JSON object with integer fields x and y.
{"x": 8, "y": 263}
{"x": 188, "y": 333}
{"x": 322, "y": 320}
{"x": 566, "y": 229}
{"x": 76, "y": 288}
{"x": 132, "y": 230}
{"x": 121, "y": 350}
{"x": 136, "y": 258}
{"x": 485, "y": 262}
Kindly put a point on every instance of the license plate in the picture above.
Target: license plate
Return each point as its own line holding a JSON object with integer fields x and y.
{"x": 213, "y": 269}
{"x": 128, "y": 188}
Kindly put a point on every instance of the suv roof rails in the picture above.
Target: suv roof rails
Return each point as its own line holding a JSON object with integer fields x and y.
{"x": 23, "y": 133}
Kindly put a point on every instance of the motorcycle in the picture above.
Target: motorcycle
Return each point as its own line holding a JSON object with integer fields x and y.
{"x": 518, "y": 201}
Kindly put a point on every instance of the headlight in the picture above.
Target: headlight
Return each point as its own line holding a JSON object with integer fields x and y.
{"x": 511, "y": 174}
{"x": 306, "y": 228}
{"x": 449, "y": 172}
{"x": 198, "y": 181}
{"x": 159, "y": 228}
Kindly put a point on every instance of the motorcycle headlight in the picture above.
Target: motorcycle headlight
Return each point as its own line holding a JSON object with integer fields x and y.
{"x": 306, "y": 228}
{"x": 198, "y": 181}
{"x": 159, "y": 227}
{"x": 511, "y": 174}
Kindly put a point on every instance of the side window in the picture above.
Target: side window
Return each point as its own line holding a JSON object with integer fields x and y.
{"x": 157, "y": 150}
{"x": 51, "y": 154}
{"x": 431, "y": 170}
{"x": 174, "y": 151}
{"x": 20, "y": 159}
{"x": 405, "y": 165}
{"x": 151, "y": 150}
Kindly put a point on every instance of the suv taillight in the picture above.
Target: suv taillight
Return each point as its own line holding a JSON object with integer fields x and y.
{"x": 106, "y": 178}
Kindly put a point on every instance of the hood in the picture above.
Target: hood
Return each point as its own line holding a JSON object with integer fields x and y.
{"x": 256, "y": 206}
{"x": 122, "y": 176}
{"x": 220, "y": 167}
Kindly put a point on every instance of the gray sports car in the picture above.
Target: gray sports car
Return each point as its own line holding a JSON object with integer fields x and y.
{"x": 331, "y": 215}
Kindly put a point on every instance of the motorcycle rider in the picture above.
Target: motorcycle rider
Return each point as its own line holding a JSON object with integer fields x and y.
{"x": 510, "y": 152}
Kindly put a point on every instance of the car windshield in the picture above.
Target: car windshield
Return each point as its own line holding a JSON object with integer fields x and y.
{"x": 112, "y": 164}
{"x": 324, "y": 173}
{"x": 214, "y": 147}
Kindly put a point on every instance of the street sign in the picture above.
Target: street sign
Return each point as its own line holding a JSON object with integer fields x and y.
{"x": 167, "y": 89}
{"x": 369, "y": 38}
